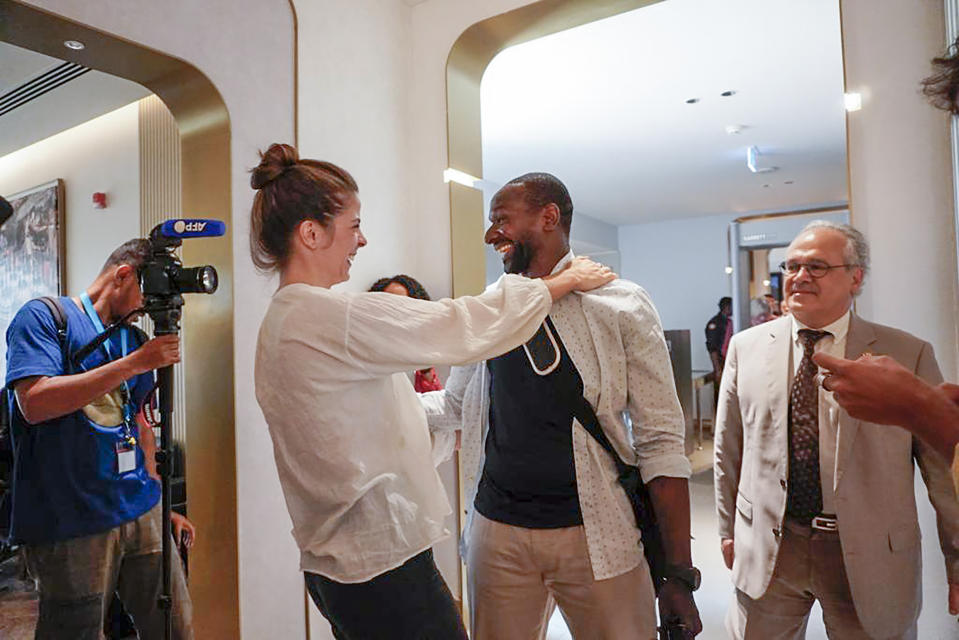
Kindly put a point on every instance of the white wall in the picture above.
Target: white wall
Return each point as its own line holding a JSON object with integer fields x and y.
{"x": 900, "y": 170}
{"x": 102, "y": 154}
{"x": 354, "y": 60}
{"x": 681, "y": 263}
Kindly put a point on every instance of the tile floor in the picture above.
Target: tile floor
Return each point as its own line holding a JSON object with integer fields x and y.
{"x": 714, "y": 595}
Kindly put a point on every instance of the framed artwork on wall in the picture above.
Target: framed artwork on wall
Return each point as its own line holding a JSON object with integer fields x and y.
{"x": 31, "y": 249}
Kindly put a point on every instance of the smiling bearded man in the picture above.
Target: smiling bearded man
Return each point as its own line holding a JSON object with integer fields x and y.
{"x": 548, "y": 519}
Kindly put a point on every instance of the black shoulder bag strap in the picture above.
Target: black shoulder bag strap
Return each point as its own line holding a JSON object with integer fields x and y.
{"x": 60, "y": 321}
{"x": 543, "y": 348}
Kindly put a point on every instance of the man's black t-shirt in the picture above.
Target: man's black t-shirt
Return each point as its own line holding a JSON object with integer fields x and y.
{"x": 529, "y": 478}
{"x": 716, "y": 332}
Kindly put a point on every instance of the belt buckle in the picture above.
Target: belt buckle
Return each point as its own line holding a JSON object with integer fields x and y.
{"x": 824, "y": 523}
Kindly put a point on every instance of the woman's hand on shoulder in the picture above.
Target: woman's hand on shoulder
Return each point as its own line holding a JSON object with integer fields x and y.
{"x": 582, "y": 274}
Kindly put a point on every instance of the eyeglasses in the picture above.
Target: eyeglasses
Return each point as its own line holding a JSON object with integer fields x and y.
{"x": 814, "y": 269}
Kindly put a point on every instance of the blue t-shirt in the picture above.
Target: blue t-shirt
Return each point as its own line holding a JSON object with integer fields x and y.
{"x": 66, "y": 479}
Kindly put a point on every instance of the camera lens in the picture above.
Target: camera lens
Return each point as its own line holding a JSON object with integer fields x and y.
{"x": 208, "y": 279}
{"x": 197, "y": 279}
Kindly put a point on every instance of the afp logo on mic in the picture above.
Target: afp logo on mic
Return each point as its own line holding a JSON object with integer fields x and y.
{"x": 192, "y": 226}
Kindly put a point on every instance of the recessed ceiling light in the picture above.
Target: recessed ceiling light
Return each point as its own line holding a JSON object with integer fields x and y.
{"x": 76, "y": 45}
{"x": 765, "y": 186}
{"x": 788, "y": 182}
{"x": 729, "y": 269}
{"x": 728, "y": 93}
{"x": 692, "y": 100}
{"x": 734, "y": 129}
{"x": 766, "y": 283}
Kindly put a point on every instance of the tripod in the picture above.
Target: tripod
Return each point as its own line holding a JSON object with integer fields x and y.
{"x": 165, "y": 314}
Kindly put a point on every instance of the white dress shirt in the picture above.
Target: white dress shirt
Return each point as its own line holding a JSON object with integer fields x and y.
{"x": 614, "y": 337}
{"x": 834, "y": 345}
{"x": 349, "y": 436}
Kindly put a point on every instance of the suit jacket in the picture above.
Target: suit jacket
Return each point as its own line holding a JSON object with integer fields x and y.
{"x": 875, "y": 494}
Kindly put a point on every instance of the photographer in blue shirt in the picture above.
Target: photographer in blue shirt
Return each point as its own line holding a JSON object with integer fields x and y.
{"x": 85, "y": 503}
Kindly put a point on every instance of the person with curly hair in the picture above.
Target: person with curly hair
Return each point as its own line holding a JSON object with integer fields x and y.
{"x": 404, "y": 285}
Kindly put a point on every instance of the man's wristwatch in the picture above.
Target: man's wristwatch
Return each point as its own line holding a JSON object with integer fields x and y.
{"x": 689, "y": 576}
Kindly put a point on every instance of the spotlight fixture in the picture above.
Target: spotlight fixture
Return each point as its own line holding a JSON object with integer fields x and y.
{"x": 765, "y": 283}
{"x": 76, "y": 45}
{"x": 692, "y": 100}
{"x": 728, "y": 93}
{"x": 729, "y": 270}
{"x": 734, "y": 129}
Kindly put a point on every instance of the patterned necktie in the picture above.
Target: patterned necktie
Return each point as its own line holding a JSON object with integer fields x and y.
{"x": 804, "y": 498}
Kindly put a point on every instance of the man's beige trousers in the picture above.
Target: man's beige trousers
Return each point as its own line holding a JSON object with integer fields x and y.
{"x": 516, "y": 573}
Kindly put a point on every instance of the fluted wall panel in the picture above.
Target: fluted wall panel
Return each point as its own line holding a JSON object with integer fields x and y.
{"x": 160, "y": 199}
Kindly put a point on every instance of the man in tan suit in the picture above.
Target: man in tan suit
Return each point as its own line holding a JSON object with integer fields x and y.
{"x": 814, "y": 505}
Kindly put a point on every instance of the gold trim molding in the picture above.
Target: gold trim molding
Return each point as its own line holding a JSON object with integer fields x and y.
{"x": 204, "y": 126}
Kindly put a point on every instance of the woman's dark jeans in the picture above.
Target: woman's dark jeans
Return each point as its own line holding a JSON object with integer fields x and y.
{"x": 411, "y": 602}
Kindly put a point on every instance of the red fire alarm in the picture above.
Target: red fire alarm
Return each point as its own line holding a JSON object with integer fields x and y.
{"x": 99, "y": 200}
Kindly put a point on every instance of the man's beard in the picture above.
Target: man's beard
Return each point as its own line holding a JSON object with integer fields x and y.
{"x": 519, "y": 259}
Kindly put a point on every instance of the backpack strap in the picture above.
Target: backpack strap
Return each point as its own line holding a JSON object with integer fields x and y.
{"x": 60, "y": 321}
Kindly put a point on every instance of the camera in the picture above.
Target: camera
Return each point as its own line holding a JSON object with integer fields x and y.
{"x": 163, "y": 278}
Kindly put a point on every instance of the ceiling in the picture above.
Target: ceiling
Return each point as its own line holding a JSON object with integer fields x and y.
{"x": 73, "y": 103}
{"x": 603, "y": 107}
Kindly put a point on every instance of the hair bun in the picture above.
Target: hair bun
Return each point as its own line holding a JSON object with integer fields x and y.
{"x": 273, "y": 163}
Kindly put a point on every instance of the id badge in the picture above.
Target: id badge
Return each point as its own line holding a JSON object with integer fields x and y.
{"x": 126, "y": 457}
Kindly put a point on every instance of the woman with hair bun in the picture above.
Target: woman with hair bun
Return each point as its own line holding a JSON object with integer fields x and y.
{"x": 349, "y": 435}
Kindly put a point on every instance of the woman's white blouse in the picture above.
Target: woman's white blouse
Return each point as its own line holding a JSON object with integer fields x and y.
{"x": 350, "y": 437}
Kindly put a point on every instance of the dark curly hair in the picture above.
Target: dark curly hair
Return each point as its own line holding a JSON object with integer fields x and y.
{"x": 942, "y": 87}
{"x": 412, "y": 286}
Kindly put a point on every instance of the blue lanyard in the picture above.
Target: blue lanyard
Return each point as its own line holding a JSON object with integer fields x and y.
{"x": 127, "y": 399}
{"x": 98, "y": 325}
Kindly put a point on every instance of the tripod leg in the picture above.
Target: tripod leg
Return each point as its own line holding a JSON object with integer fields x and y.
{"x": 164, "y": 462}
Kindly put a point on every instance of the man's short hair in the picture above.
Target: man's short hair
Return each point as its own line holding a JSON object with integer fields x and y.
{"x": 856, "y": 252}
{"x": 132, "y": 252}
{"x": 724, "y": 301}
{"x": 541, "y": 189}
